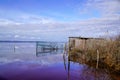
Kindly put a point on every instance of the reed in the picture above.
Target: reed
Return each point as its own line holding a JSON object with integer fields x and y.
{"x": 109, "y": 53}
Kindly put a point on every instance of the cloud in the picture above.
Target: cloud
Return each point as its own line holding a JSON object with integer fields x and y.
{"x": 105, "y": 7}
{"x": 35, "y": 19}
{"x": 16, "y": 36}
{"x": 57, "y": 30}
{"x": 29, "y": 27}
{"x": 6, "y": 22}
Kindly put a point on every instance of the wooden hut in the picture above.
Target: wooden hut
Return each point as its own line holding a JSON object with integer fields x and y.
{"x": 84, "y": 43}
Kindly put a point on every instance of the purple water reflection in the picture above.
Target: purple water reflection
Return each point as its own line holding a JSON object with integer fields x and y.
{"x": 23, "y": 64}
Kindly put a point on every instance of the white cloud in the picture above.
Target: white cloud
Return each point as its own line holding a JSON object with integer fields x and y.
{"x": 88, "y": 28}
{"x": 105, "y": 7}
{"x": 37, "y": 27}
{"x": 25, "y": 19}
{"x": 35, "y": 19}
{"x": 16, "y": 36}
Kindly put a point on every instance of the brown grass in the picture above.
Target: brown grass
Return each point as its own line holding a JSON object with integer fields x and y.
{"x": 109, "y": 53}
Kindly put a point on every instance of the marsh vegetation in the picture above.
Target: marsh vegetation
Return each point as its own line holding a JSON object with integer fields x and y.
{"x": 105, "y": 54}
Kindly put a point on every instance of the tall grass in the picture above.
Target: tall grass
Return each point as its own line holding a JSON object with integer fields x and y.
{"x": 109, "y": 53}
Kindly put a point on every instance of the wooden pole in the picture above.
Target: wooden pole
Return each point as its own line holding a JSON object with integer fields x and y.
{"x": 14, "y": 48}
{"x": 36, "y": 48}
{"x": 97, "y": 59}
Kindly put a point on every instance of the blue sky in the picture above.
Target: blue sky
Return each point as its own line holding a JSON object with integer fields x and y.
{"x": 56, "y": 20}
{"x": 61, "y": 10}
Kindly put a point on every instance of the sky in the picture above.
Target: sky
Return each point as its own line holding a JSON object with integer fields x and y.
{"x": 56, "y": 20}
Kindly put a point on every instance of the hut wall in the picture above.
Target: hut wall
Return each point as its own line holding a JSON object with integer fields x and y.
{"x": 81, "y": 43}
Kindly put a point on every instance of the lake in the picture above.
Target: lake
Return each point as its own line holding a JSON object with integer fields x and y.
{"x": 21, "y": 61}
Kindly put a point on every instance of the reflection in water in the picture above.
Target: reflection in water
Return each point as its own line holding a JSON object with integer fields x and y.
{"x": 64, "y": 59}
{"x": 48, "y": 52}
{"x": 48, "y": 48}
{"x": 28, "y": 64}
{"x": 66, "y": 64}
{"x": 78, "y": 71}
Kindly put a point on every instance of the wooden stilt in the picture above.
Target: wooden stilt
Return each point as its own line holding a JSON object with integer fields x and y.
{"x": 97, "y": 59}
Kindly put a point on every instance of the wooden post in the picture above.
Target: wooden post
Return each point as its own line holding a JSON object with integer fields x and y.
{"x": 68, "y": 68}
{"x": 97, "y": 59}
{"x": 36, "y": 48}
{"x": 14, "y": 48}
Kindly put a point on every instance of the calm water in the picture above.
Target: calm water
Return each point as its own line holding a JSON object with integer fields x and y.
{"x": 20, "y": 61}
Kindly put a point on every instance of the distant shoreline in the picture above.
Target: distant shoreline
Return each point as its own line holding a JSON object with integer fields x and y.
{"x": 29, "y": 41}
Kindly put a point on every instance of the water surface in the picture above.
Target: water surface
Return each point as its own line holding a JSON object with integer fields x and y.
{"x": 20, "y": 61}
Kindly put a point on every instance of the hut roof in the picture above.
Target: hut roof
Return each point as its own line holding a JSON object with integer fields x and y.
{"x": 86, "y": 38}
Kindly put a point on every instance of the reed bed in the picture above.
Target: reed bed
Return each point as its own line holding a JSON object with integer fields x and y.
{"x": 109, "y": 54}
